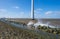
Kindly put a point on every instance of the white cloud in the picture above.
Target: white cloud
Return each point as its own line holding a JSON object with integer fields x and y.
{"x": 3, "y": 13}
{"x": 21, "y": 14}
{"x": 17, "y": 7}
{"x": 3, "y": 10}
{"x": 52, "y": 13}
{"x": 57, "y": 12}
{"x": 48, "y": 12}
{"x": 38, "y": 10}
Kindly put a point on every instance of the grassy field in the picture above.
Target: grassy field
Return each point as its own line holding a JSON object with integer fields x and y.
{"x": 10, "y": 32}
{"x": 19, "y": 33}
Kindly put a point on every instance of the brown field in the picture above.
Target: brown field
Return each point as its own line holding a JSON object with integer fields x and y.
{"x": 54, "y": 22}
{"x": 9, "y": 32}
{"x": 22, "y": 20}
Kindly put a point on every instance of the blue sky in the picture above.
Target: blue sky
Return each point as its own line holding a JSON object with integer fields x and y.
{"x": 22, "y": 8}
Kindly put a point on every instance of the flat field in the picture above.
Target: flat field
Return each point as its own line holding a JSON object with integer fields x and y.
{"x": 54, "y": 22}
{"x": 9, "y": 32}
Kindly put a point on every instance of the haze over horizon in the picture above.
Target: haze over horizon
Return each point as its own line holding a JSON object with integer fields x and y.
{"x": 22, "y": 8}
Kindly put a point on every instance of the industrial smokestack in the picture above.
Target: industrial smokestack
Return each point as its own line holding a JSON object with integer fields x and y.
{"x": 32, "y": 9}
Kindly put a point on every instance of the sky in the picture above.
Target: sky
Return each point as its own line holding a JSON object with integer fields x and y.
{"x": 22, "y": 8}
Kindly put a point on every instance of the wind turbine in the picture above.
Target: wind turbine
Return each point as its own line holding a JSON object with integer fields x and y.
{"x": 31, "y": 23}
{"x": 32, "y": 9}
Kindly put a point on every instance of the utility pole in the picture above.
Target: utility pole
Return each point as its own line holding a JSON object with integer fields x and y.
{"x": 32, "y": 9}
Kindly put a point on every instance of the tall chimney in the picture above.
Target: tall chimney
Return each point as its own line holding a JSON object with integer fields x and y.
{"x": 32, "y": 9}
